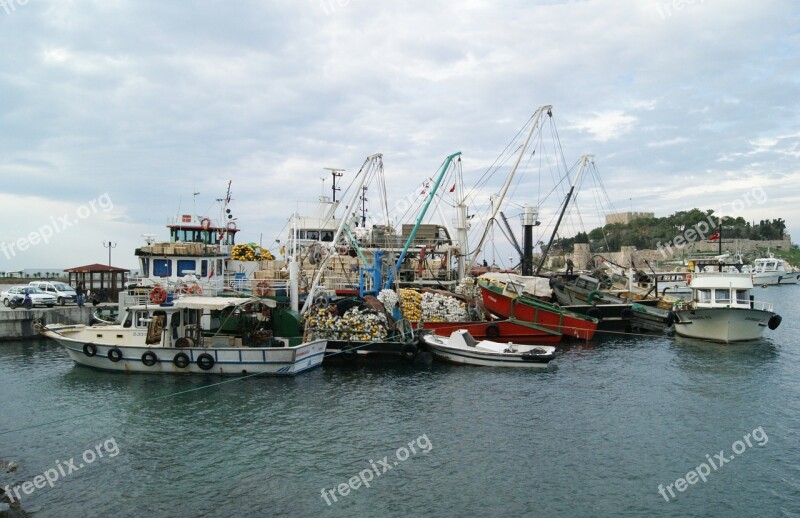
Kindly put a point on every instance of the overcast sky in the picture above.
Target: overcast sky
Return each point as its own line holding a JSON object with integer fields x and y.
{"x": 114, "y": 112}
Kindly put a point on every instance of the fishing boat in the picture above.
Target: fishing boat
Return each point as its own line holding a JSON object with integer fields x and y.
{"x": 462, "y": 348}
{"x": 509, "y": 300}
{"x": 585, "y": 295}
{"x": 722, "y": 309}
{"x": 190, "y": 335}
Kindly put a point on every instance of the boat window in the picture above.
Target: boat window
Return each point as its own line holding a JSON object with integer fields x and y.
{"x": 186, "y": 265}
{"x": 190, "y": 316}
{"x": 175, "y": 323}
{"x": 162, "y": 267}
{"x": 204, "y": 268}
{"x": 301, "y": 234}
{"x": 141, "y": 319}
{"x": 128, "y": 321}
{"x": 145, "y": 267}
{"x": 703, "y": 295}
{"x": 312, "y": 234}
{"x": 742, "y": 297}
{"x": 219, "y": 267}
{"x": 327, "y": 235}
{"x": 722, "y": 296}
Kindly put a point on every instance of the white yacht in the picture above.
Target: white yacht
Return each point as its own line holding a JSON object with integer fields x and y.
{"x": 772, "y": 271}
{"x": 722, "y": 309}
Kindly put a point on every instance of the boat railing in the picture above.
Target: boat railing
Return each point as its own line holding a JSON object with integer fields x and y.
{"x": 763, "y": 306}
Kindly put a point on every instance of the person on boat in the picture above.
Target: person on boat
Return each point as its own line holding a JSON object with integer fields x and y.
{"x": 570, "y": 266}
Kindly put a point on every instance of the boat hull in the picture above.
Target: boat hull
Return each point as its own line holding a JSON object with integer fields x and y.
{"x": 462, "y": 356}
{"x": 277, "y": 361}
{"x": 724, "y": 325}
{"x": 502, "y": 330}
{"x": 338, "y": 352}
{"x": 539, "y": 313}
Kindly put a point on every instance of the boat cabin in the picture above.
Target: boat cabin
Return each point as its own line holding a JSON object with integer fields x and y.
{"x": 769, "y": 264}
{"x": 721, "y": 290}
{"x": 201, "y": 322}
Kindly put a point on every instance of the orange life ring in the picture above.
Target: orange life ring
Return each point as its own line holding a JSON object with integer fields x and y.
{"x": 689, "y": 278}
{"x": 205, "y": 223}
{"x": 262, "y": 288}
{"x": 158, "y": 295}
{"x": 195, "y": 289}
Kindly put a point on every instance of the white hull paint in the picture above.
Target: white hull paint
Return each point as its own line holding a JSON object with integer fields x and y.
{"x": 278, "y": 361}
{"x": 447, "y": 349}
{"x": 722, "y": 324}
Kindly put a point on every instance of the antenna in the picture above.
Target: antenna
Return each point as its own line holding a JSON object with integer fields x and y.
{"x": 335, "y": 173}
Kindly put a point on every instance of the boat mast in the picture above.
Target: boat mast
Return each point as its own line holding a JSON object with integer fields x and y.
{"x": 366, "y": 168}
{"x": 585, "y": 159}
{"x": 445, "y": 166}
{"x": 534, "y": 124}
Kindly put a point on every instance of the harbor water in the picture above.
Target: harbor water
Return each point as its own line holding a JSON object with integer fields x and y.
{"x": 608, "y": 430}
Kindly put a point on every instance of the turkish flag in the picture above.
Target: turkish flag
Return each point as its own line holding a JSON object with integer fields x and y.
{"x": 714, "y": 236}
{"x": 453, "y": 188}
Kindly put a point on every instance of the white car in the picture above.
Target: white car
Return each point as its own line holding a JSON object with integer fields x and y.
{"x": 62, "y": 292}
{"x": 38, "y": 297}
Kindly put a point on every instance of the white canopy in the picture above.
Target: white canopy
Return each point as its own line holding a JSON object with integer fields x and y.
{"x": 219, "y": 303}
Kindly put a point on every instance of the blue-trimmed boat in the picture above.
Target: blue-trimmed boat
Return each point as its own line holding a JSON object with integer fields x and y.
{"x": 190, "y": 335}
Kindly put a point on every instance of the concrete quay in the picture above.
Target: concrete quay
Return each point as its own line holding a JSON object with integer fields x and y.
{"x": 17, "y": 324}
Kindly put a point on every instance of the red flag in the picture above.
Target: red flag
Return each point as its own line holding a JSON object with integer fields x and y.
{"x": 453, "y": 188}
{"x": 714, "y": 236}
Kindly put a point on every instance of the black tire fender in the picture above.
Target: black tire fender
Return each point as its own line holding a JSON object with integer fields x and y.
{"x": 149, "y": 358}
{"x": 114, "y": 354}
{"x": 181, "y": 360}
{"x": 492, "y": 331}
{"x": 205, "y": 361}
{"x": 594, "y": 313}
{"x": 89, "y": 350}
{"x": 774, "y": 322}
{"x": 409, "y": 352}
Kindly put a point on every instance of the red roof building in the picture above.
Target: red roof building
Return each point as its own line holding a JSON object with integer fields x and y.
{"x": 102, "y": 281}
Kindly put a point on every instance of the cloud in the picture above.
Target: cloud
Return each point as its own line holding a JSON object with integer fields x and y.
{"x": 151, "y": 101}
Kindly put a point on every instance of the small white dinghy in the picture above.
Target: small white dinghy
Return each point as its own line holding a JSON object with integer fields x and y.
{"x": 462, "y": 348}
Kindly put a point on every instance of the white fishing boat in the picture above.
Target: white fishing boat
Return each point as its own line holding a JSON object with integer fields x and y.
{"x": 462, "y": 348}
{"x": 722, "y": 309}
{"x": 771, "y": 271}
{"x": 191, "y": 334}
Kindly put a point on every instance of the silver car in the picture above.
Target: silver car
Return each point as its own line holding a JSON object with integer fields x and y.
{"x": 62, "y": 292}
{"x": 38, "y": 297}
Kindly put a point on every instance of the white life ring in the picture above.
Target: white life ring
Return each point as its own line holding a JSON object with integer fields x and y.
{"x": 231, "y": 225}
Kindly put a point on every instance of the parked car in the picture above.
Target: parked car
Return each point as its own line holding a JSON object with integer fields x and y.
{"x": 38, "y": 297}
{"x": 62, "y": 292}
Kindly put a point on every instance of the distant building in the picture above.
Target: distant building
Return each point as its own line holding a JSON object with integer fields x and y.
{"x": 627, "y": 217}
